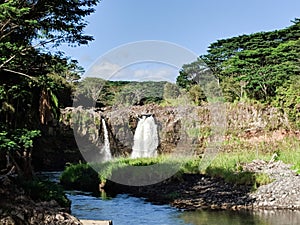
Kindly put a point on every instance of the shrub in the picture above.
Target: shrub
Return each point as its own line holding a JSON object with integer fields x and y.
{"x": 80, "y": 177}
{"x": 46, "y": 191}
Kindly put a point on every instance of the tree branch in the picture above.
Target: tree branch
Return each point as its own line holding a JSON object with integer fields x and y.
{"x": 8, "y": 33}
{"x": 22, "y": 74}
{"x": 4, "y": 24}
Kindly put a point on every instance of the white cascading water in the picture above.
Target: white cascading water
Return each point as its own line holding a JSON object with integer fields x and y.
{"x": 145, "y": 138}
{"x": 106, "y": 147}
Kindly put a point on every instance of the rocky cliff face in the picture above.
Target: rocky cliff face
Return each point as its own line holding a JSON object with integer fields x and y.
{"x": 182, "y": 130}
{"x": 178, "y": 128}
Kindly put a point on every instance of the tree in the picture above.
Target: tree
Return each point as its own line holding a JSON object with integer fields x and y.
{"x": 199, "y": 81}
{"x": 255, "y": 65}
{"x": 140, "y": 93}
{"x": 34, "y": 80}
{"x": 197, "y": 95}
{"x": 90, "y": 90}
{"x": 264, "y": 69}
{"x": 171, "y": 91}
{"x": 183, "y": 80}
{"x": 288, "y": 99}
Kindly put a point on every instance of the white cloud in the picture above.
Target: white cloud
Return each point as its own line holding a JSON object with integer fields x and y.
{"x": 103, "y": 70}
{"x": 157, "y": 74}
{"x": 136, "y": 72}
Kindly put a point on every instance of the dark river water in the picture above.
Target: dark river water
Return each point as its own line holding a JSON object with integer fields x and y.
{"x": 126, "y": 210}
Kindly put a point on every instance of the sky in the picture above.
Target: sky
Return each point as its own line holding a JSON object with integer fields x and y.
{"x": 190, "y": 24}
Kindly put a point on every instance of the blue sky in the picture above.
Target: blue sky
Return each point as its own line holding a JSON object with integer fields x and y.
{"x": 193, "y": 24}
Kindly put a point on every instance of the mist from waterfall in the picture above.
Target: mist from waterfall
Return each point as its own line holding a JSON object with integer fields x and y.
{"x": 145, "y": 138}
{"x": 106, "y": 147}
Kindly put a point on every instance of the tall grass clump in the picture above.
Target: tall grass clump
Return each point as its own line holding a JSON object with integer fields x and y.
{"x": 80, "y": 177}
{"x": 228, "y": 166}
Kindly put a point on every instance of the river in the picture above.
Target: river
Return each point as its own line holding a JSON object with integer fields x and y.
{"x": 126, "y": 210}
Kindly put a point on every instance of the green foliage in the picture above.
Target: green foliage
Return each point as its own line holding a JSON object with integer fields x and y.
{"x": 234, "y": 174}
{"x": 288, "y": 99}
{"x": 183, "y": 80}
{"x": 99, "y": 92}
{"x": 233, "y": 89}
{"x": 288, "y": 151}
{"x": 120, "y": 167}
{"x": 196, "y": 94}
{"x": 19, "y": 139}
{"x": 171, "y": 91}
{"x": 252, "y": 66}
{"x": 26, "y": 63}
{"x": 199, "y": 81}
{"x": 90, "y": 89}
{"x": 264, "y": 70}
{"x": 34, "y": 80}
{"x": 227, "y": 166}
{"x": 46, "y": 191}
{"x": 184, "y": 99}
{"x": 80, "y": 177}
{"x": 140, "y": 93}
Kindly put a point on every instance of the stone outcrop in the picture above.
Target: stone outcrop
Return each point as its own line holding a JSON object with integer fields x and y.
{"x": 283, "y": 192}
{"x": 16, "y": 208}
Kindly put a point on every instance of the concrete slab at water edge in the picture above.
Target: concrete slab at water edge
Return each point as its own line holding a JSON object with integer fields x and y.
{"x": 96, "y": 222}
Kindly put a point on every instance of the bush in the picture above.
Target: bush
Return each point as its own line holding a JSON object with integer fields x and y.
{"x": 288, "y": 100}
{"x": 46, "y": 191}
{"x": 80, "y": 177}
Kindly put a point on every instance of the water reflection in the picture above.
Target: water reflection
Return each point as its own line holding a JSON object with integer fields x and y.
{"x": 241, "y": 218}
{"x": 279, "y": 217}
{"x": 125, "y": 210}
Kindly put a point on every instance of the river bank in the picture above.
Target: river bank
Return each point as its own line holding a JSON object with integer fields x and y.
{"x": 18, "y": 208}
{"x": 198, "y": 191}
{"x": 190, "y": 192}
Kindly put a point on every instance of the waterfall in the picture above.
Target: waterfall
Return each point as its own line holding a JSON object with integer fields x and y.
{"x": 145, "y": 138}
{"x": 106, "y": 147}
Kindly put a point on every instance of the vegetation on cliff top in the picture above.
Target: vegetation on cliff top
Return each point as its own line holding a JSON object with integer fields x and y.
{"x": 260, "y": 67}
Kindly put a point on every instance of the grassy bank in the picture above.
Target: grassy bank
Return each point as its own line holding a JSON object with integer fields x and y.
{"x": 227, "y": 165}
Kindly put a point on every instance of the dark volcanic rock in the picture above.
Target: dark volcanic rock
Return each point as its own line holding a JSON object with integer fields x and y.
{"x": 18, "y": 209}
{"x": 190, "y": 192}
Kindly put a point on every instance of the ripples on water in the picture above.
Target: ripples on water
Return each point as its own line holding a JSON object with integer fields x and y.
{"x": 122, "y": 209}
{"x": 127, "y": 210}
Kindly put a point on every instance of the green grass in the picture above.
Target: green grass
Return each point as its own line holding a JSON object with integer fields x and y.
{"x": 289, "y": 152}
{"x": 226, "y": 165}
{"x": 229, "y": 167}
{"x": 80, "y": 177}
